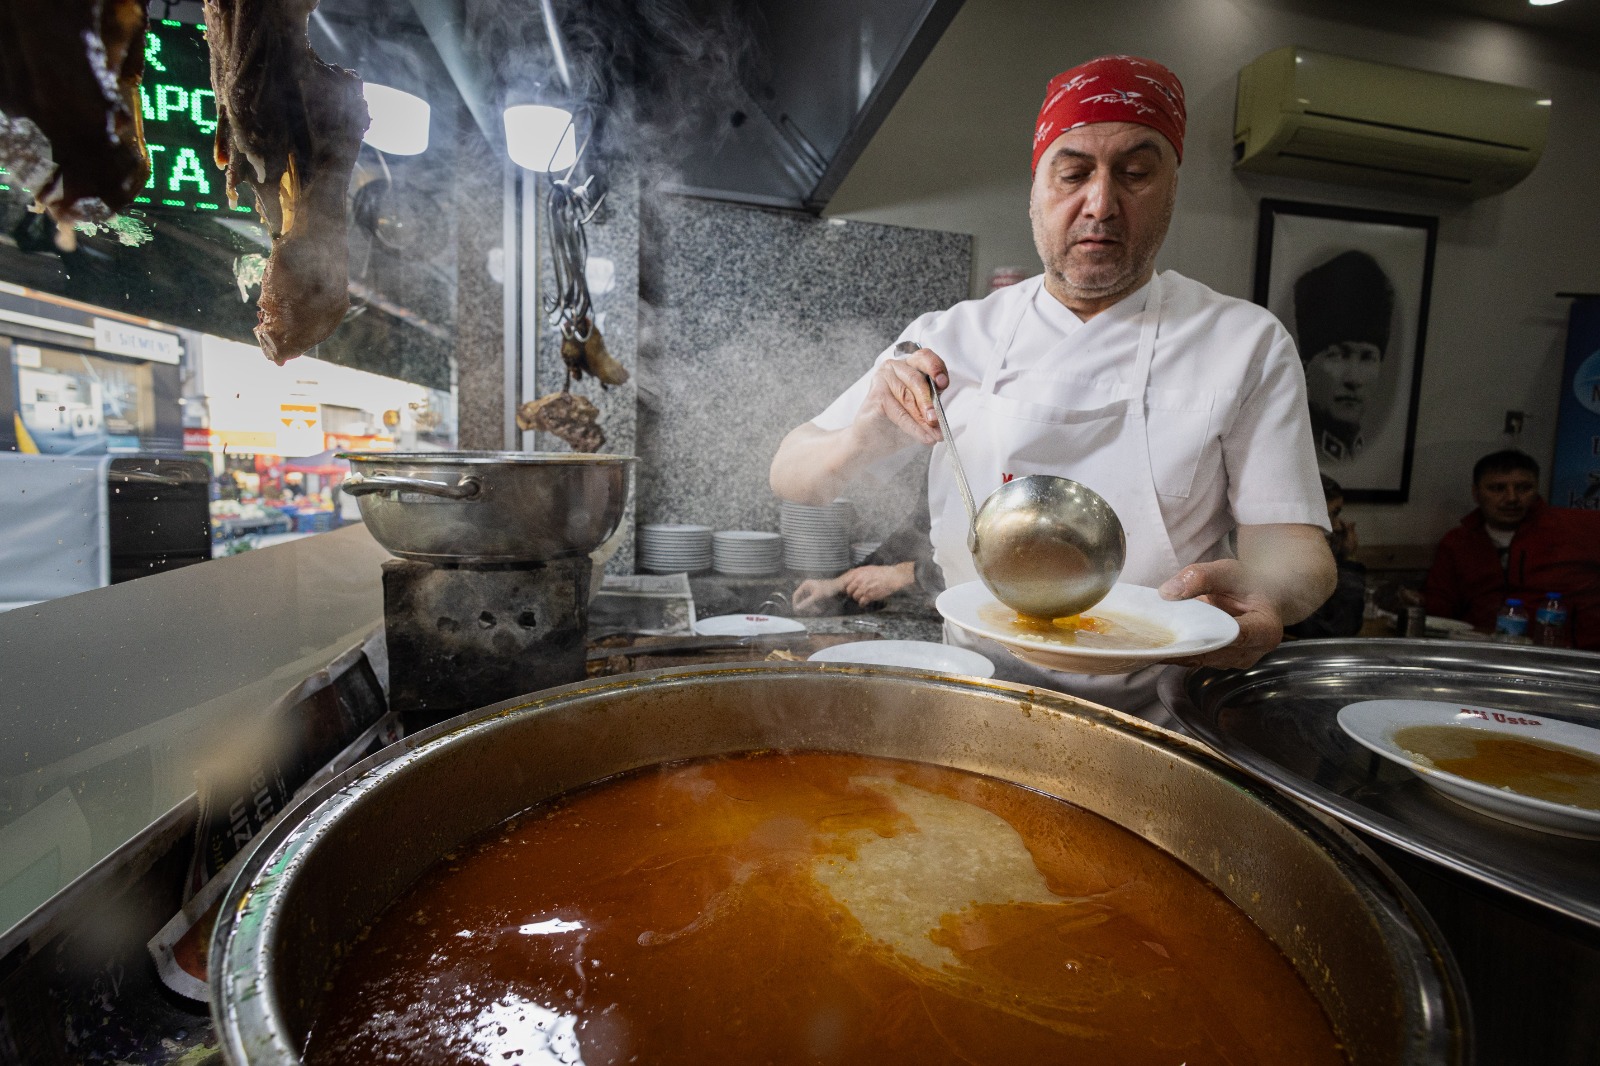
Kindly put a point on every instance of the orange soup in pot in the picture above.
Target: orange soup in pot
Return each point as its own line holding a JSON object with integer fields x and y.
{"x": 815, "y": 908}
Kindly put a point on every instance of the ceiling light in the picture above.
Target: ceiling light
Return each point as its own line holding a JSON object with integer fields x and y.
{"x": 1543, "y": 3}
{"x": 399, "y": 120}
{"x": 540, "y": 137}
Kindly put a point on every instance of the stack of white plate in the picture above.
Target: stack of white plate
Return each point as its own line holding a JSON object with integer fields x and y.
{"x": 747, "y": 552}
{"x": 816, "y": 540}
{"x": 861, "y": 549}
{"x": 671, "y": 549}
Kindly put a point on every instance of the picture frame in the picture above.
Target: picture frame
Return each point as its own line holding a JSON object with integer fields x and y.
{"x": 1352, "y": 286}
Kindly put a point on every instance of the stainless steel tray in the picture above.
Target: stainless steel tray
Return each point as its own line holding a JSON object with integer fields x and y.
{"x": 1277, "y": 720}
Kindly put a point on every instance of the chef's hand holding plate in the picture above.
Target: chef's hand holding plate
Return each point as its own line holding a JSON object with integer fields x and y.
{"x": 1283, "y": 573}
{"x": 899, "y": 404}
{"x": 1226, "y": 584}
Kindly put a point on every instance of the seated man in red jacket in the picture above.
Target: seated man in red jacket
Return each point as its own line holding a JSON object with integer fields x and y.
{"x": 1515, "y": 545}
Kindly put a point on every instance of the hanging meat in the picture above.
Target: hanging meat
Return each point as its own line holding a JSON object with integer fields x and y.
{"x": 583, "y": 349}
{"x": 573, "y": 418}
{"x": 568, "y": 209}
{"x": 69, "y": 104}
{"x": 288, "y": 126}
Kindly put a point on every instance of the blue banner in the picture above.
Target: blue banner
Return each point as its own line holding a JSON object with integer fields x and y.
{"x": 1575, "y": 475}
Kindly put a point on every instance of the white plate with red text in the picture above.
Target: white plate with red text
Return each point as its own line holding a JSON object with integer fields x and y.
{"x": 746, "y": 625}
{"x": 1196, "y": 628}
{"x": 1374, "y": 723}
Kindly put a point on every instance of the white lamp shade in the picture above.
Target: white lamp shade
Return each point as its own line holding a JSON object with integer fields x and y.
{"x": 399, "y": 120}
{"x": 540, "y": 137}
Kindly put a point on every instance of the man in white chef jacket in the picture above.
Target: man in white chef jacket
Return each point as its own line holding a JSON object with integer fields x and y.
{"x": 1184, "y": 408}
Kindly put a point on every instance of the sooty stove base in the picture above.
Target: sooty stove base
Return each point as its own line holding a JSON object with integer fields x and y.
{"x": 460, "y": 638}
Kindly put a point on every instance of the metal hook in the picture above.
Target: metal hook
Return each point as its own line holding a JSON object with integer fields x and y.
{"x": 582, "y": 148}
{"x": 596, "y": 208}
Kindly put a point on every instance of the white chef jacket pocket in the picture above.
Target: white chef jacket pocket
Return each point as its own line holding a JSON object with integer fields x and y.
{"x": 1179, "y": 424}
{"x": 1062, "y": 392}
{"x": 1049, "y": 438}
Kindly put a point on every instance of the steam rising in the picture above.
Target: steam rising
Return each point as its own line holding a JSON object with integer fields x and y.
{"x": 646, "y": 68}
{"x": 642, "y": 72}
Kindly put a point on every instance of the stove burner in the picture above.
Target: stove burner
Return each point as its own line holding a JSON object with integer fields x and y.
{"x": 460, "y": 638}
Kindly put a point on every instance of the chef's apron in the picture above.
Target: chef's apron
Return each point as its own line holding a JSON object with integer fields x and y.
{"x": 1106, "y": 447}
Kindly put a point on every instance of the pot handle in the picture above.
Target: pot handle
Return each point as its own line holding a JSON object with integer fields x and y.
{"x": 365, "y": 484}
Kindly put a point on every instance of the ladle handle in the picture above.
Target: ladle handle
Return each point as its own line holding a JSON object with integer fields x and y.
{"x": 961, "y": 474}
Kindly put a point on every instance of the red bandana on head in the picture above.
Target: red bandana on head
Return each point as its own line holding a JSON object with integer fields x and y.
{"x": 1112, "y": 89}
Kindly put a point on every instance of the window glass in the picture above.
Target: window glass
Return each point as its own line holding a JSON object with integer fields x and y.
{"x": 138, "y": 341}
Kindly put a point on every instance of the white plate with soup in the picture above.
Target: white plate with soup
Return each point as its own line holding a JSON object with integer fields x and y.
{"x": 1131, "y": 628}
{"x": 1537, "y": 772}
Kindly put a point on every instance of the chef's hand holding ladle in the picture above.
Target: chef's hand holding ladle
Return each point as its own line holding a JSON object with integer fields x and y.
{"x": 1045, "y": 546}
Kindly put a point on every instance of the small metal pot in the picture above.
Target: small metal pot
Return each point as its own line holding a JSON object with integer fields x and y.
{"x": 1357, "y": 937}
{"x": 478, "y": 508}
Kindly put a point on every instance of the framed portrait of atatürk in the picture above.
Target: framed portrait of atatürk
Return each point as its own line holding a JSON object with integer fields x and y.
{"x": 1352, "y": 287}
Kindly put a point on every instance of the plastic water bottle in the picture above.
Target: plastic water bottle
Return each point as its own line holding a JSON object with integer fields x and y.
{"x": 1512, "y": 621}
{"x": 1550, "y": 622}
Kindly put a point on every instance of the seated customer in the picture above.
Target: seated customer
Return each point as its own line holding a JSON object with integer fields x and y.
{"x": 1513, "y": 544}
{"x": 1341, "y": 616}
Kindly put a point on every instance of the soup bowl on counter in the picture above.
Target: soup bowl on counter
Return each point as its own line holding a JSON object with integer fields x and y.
{"x": 357, "y": 879}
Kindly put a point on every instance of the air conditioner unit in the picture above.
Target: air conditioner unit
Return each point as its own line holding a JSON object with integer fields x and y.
{"x": 1308, "y": 114}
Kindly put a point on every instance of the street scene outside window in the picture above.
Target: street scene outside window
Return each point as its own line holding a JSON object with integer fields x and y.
{"x": 141, "y": 428}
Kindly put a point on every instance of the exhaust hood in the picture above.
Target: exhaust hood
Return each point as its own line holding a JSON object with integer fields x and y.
{"x": 765, "y": 102}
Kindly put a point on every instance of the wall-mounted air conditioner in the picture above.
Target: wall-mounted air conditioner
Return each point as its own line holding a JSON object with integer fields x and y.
{"x": 1308, "y": 114}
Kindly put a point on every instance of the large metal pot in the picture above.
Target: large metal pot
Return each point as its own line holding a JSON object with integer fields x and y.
{"x": 1354, "y": 933}
{"x": 489, "y": 507}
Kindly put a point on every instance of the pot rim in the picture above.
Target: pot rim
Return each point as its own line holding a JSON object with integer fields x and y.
{"x": 452, "y": 459}
{"x": 242, "y": 940}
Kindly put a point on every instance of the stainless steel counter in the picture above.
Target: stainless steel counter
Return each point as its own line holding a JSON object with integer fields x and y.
{"x": 112, "y": 700}
{"x": 1519, "y": 908}
{"x": 1278, "y": 720}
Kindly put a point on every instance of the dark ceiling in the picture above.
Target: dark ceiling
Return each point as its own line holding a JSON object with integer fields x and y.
{"x": 1573, "y": 25}
{"x": 1563, "y": 19}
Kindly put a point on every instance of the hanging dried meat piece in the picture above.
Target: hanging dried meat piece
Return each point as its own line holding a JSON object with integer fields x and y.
{"x": 567, "y": 415}
{"x": 289, "y": 126}
{"x": 584, "y": 351}
{"x": 69, "y": 103}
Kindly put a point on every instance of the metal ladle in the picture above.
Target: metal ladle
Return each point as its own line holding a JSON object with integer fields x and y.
{"x": 1045, "y": 546}
{"x": 909, "y": 348}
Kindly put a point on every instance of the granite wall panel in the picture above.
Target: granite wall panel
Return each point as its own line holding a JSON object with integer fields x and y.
{"x": 736, "y": 323}
{"x": 751, "y": 322}
{"x": 480, "y": 344}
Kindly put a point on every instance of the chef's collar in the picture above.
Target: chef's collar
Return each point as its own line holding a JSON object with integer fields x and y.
{"x": 1067, "y": 321}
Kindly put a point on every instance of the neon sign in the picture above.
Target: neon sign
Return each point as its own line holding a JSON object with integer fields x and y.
{"x": 180, "y": 121}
